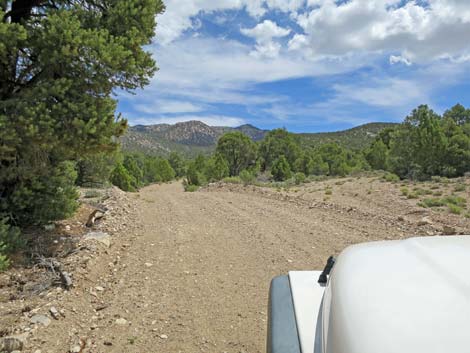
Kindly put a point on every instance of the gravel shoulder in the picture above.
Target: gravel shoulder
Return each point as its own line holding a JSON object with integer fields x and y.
{"x": 191, "y": 271}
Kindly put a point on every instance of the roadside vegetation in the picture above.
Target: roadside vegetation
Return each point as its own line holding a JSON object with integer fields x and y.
{"x": 424, "y": 146}
{"x": 60, "y": 65}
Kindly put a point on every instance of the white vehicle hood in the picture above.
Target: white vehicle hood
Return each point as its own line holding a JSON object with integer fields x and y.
{"x": 409, "y": 296}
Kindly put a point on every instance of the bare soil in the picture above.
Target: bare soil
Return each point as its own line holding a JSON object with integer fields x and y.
{"x": 190, "y": 272}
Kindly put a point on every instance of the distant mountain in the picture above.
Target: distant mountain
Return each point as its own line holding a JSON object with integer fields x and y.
{"x": 194, "y": 137}
{"x": 356, "y": 138}
{"x": 189, "y": 138}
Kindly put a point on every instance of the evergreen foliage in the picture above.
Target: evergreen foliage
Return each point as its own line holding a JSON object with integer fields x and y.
{"x": 427, "y": 144}
{"x": 238, "y": 150}
{"x": 247, "y": 177}
{"x": 178, "y": 164}
{"x": 216, "y": 168}
{"x": 281, "y": 169}
{"x": 276, "y": 143}
{"x": 95, "y": 170}
{"x": 122, "y": 178}
{"x": 60, "y": 63}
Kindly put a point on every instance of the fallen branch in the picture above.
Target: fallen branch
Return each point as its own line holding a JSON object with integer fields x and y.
{"x": 94, "y": 216}
{"x": 56, "y": 268}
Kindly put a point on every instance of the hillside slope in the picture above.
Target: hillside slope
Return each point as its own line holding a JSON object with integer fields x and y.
{"x": 189, "y": 138}
{"x": 194, "y": 137}
{"x": 356, "y": 138}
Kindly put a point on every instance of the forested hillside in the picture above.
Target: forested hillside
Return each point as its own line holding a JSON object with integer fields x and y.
{"x": 194, "y": 137}
{"x": 356, "y": 138}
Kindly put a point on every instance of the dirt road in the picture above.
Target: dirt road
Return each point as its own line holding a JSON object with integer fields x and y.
{"x": 212, "y": 257}
{"x": 195, "y": 276}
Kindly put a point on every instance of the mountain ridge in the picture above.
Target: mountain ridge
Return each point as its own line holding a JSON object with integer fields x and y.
{"x": 194, "y": 137}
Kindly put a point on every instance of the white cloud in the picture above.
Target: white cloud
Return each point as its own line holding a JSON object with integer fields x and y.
{"x": 425, "y": 32}
{"x": 212, "y": 120}
{"x": 178, "y": 16}
{"x": 163, "y": 106}
{"x": 388, "y": 92}
{"x": 399, "y": 59}
{"x": 264, "y": 33}
{"x": 222, "y": 71}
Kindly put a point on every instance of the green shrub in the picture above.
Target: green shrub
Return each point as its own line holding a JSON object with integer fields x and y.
{"x": 95, "y": 170}
{"x": 431, "y": 202}
{"x": 247, "y": 177}
{"x": 328, "y": 191}
{"x": 190, "y": 187}
{"x": 390, "y": 177}
{"x": 412, "y": 195}
{"x": 91, "y": 194}
{"x": 4, "y": 262}
{"x": 10, "y": 241}
{"x": 404, "y": 191}
{"x": 178, "y": 164}
{"x": 299, "y": 178}
{"x": 121, "y": 178}
{"x": 455, "y": 200}
{"x": 232, "y": 180}
{"x": 216, "y": 167}
{"x": 47, "y": 198}
{"x": 281, "y": 169}
{"x": 460, "y": 188}
{"x": 134, "y": 166}
{"x": 420, "y": 191}
{"x": 165, "y": 172}
{"x": 455, "y": 209}
{"x": 440, "y": 179}
{"x": 194, "y": 176}
{"x": 437, "y": 193}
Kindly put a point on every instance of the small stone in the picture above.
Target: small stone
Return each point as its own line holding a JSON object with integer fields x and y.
{"x": 49, "y": 227}
{"x": 108, "y": 343}
{"x": 401, "y": 218}
{"x": 37, "y": 351}
{"x": 13, "y": 343}
{"x": 424, "y": 221}
{"x": 75, "y": 349}
{"x": 148, "y": 264}
{"x": 10, "y": 344}
{"x": 40, "y": 319}
{"x": 163, "y": 337}
{"x": 100, "y": 237}
{"x": 121, "y": 321}
{"x": 99, "y": 288}
{"x": 54, "y": 312}
{"x": 67, "y": 228}
{"x": 448, "y": 230}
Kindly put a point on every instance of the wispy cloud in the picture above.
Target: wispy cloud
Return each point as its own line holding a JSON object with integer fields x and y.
{"x": 212, "y": 120}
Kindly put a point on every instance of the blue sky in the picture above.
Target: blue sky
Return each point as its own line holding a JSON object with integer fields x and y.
{"x": 307, "y": 65}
